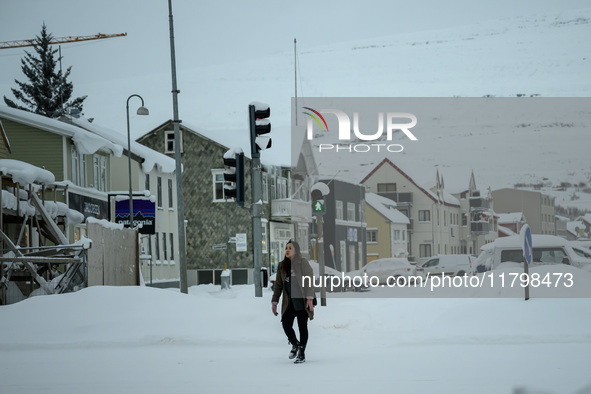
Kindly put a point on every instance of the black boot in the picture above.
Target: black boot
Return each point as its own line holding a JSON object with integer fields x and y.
{"x": 301, "y": 356}
{"x": 294, "y": 348}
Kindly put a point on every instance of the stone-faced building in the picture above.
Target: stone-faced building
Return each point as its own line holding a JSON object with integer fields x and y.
{"x": 205, "y": 207}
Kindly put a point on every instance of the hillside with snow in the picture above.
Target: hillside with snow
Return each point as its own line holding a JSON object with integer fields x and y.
{"x": 538, "y": 56}
{"x": 541, "y": 55}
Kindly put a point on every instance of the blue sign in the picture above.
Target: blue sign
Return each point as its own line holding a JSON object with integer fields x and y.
{"x": 144, "y": 214}
{"x": 525, "y": 234}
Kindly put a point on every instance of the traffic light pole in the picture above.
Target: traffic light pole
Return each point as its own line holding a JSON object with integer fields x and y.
{"x": 257, "y": 241}
{"x": 256, "y": 210}
{"x": 320, "y": 257}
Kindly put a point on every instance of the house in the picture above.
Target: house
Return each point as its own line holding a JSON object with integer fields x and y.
{"x": 153, "y": 185}
{"x": 344, "y": 226}
{"x": 90, "y": 171}
{"x": 211, "y": 219}
{"x": 510, "y": 223}
{"x": 434, "y": 216}
{"x": 479, "y": 222}
{"x": 79, "y": 160}
{"x": 537, "y": 208}
{"x": 4, "y": 143}
{"x": 386, "y": 232}
{"x": 585, "y": 225}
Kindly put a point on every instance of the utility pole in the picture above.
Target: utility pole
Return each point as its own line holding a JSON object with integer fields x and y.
{"x": 259, "y": 125}
{"x": 177, "y": 158}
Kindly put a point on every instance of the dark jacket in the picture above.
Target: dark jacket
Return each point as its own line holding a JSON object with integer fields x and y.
{"x": 301, "y": 268}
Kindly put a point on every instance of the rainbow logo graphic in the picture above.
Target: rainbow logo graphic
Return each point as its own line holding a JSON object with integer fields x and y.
{"x": 315, "y": 118}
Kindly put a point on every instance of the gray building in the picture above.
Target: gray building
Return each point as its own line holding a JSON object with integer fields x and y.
{"x": 537, "y": 208}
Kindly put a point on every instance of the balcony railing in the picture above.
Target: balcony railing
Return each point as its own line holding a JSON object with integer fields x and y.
{"x": 287, "y": 208}
{"x": 479, "y": 203}
{"x": 479, "y": 227}
{"x": 400, "y": 198}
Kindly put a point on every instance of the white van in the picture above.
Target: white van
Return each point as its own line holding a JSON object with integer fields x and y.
{"x": 448, "y": 264}
{"x": 547, "y": 249}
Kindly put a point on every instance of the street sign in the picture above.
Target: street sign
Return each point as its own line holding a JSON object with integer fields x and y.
{"x": 219, "y": 246}
{"x": 241, "y": 242}
{"x": 525, "y": 235}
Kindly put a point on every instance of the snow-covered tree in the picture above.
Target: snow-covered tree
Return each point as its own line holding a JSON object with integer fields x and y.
{"x": 47, "y": 91}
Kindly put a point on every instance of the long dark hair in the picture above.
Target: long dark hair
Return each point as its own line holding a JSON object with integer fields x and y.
{"x": 297, "y": 254}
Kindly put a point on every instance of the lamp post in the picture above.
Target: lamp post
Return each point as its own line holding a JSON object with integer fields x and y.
{"x": 140, "y": 111}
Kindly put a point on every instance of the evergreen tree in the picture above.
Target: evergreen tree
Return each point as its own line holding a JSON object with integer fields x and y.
{"x": 48, "y": 92}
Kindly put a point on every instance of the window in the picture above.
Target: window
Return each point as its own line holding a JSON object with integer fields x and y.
{"x": 170, "y": 199}
{"x": 424, "y": 216}
{"x": 351, "y": 211}
{"x": 403, "y": 235}
{"x": 157, "y": 246}
{"x": 464, "y": 219}
{"x": 159, "y": 192}
{"x": 83, "y": 171}
{"x": 218, "y": 186}
{"x": 386, "y": 188}
{"x": 169, "y": 141}
{"x": 273, "y": 189}
{"x": 265, "y": 188}
{"x": 171, "y": 246}
{"x": 75, "y": 166}
{"x": 372, "y": 236}
{"x": 103, "y": 186}
{"x": 96, "y": 165}
{"x": 339, "y": 209}
{"x": 362, "y": 211}
{"x": 424, "y": 250}
{"x": 303, "y": 239}
{"x": 150, "y": 248}
{"x": 147, "y": 183}
{"x": 164, "y": 246}
{"x": 396, "y": 235}
{"x": 281, "y": 188}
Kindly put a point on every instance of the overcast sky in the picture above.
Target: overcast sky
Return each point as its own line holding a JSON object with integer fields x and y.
{"x": 215, "y": 32}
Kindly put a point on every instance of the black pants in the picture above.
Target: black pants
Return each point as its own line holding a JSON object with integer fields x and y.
{"x": 287, "y": 321}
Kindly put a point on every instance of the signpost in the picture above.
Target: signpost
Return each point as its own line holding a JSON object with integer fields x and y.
{"x": 525, "y": 235}
{"x": 241, "y": 242}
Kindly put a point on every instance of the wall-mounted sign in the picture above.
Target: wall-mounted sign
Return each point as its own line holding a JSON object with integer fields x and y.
{"x": 144, "y": 214}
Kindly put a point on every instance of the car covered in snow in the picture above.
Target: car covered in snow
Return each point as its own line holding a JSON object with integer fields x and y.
{"x": 448, "y": 264}
{"x": 387, "y": 267}
{"x": 546, "y": 249}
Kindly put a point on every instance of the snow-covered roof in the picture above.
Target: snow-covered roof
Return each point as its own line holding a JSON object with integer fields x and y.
{"x": 86, "y": 143}
{"x": 512, "y": 217}
{"x": 25, "y": 173}
{"x": 386, "y": 207}
{"x": 538, "y": 240}
{"x": 575, "y": 226}
{"x": 151, "y": 157}
{"x": 505, "y": 230}
{"x": 445, "y": 198}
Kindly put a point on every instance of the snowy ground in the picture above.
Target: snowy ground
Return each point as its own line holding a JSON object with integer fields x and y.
{"x": 145, "y": 340}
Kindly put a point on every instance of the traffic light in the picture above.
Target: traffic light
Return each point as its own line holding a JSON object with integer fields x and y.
{"x": 318, "y": 192}
{"x": 259, "y": 125}
{"x": 234, "y": 175}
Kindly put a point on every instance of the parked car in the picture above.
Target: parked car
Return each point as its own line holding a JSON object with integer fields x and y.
{"x": 448, "y": 264}
{"x": 388, "y": 267}
{"x": 546, "y": 249}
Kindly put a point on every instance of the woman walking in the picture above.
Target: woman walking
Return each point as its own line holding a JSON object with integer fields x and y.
{"x": 297, "y": 302}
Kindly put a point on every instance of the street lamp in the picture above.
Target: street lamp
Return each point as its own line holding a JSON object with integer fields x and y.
{"x": 140, "y": 111}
